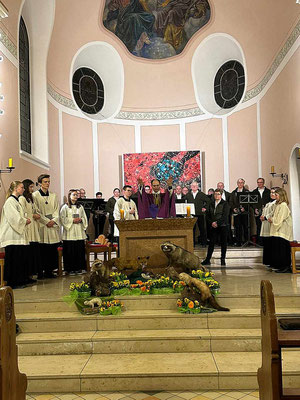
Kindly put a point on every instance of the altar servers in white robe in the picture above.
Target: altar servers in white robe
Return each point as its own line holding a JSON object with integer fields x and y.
{"x": 48, "y": 208}
{"x": 12, "y": 237}
{"x": 127, "y": 205}
{"x": 74, "y": 222}
{"x": 281, "y": 232}
{"x": 32, "y": 230}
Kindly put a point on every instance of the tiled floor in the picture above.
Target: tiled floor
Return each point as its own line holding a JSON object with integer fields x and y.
{"x": 207, "y": 395}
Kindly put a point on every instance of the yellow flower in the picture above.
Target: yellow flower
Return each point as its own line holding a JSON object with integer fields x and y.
{"x": 207, "y": 274}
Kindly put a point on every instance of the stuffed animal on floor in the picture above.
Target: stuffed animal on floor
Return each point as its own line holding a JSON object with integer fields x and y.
{"x": 121, "y": 263}
{"x": 198, "y": 290}
{"x": 98, "y": 279}
{"x": 181, "y": 258}
{"x": 93, "y": 302}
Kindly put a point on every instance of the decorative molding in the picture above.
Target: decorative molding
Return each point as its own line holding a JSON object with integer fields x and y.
{"x": 63, "y": 100}
{"x": 192, "y": 112}
{"x": 5, "y": 40}
{"x": 278, "y": 60}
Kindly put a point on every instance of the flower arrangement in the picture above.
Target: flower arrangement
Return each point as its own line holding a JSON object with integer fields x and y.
{"x": 187, "y": 306}
{"x": 208, "y": 278}
{"x": 162, "y": 285}
{"x": 80, "y": 287}
{"x": 111, "y": 307}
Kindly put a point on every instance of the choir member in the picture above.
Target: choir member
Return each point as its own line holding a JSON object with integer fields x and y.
{"x": 217, "y": 222}
{"x": 13, "y": 238}
{"x": 240, "y": 213}
{"x": 263, "y": 195}
{"x": 267, "y": 213}
{"x": 281, "y": 232}
{"x": 32, "y": 230}
{"x": 74, "y": 223}
{"x": 201, "y": 202}
{"x": 48, "y": 208}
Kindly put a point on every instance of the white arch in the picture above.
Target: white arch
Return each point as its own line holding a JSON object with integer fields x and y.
{"x": 295, "y": 189}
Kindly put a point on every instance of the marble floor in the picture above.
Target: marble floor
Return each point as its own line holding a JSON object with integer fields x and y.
{"x": 207, "y": 395}
{"x": 237, "y": 280}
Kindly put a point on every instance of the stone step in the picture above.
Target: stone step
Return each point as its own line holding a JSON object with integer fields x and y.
{"x": 139, "y": 341}
{"x": 157, "y": 371}
{"x": 142, "y": 320}
{"x": 156, "y": 302}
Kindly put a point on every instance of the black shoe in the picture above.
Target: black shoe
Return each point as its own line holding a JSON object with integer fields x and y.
{"x": 284, "y": 271}
{"x": 205, "y": 262}
{"x": 223, "y": 261}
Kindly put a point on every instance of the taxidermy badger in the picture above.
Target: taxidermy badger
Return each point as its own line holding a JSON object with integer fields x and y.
{"x": 179, "y": 257}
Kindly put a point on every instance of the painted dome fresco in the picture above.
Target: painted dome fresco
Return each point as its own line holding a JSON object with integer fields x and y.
{"x": 155, "y": 29}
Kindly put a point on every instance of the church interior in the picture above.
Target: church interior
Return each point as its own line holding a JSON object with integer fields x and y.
{"x": 221, "y": 77}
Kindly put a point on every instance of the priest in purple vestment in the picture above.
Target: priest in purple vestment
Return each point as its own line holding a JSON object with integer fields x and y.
{"x": 156, "y": 204}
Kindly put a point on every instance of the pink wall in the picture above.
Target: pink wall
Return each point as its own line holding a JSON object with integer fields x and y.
{"x": 242, "y": 147}
{"x": 78, "y": 154}
{"x": 160, "y": 138}
{"x": 9, "y": 142}
{"x": 10, "y": 25}
{"x": 113, "y": 141}
{"x": 280, "y": 120}
{"x": 206, "y": 136}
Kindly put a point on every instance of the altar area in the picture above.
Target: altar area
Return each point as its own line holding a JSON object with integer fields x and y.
{"x": 150, "y": 346}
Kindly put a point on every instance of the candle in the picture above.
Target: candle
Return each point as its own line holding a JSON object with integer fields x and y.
{"x": 121, "y": 214}
{"x": 10, "y": 162}
{"x": 188, "y": 211}
{"x": 272, "y": 169}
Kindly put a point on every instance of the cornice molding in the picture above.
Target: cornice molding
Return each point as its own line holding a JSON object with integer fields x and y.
{"x": 5, "y": 40}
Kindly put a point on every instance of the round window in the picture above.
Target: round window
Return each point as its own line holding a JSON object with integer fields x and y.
{"x": 229, "y": 84}
{"x": 88, "y": 90}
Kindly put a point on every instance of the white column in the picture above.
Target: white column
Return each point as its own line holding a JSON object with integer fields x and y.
{"x": 258, "y": 138}
{"x": 61, "y": 155}
{"x": 182, "y": 137}
{"x": 95, "y": 156}
{"x": 137, "y": 138}
{"x": 225, "y": 152}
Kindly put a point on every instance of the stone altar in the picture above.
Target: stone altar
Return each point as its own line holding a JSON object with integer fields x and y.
{"x": 143, "y": 237}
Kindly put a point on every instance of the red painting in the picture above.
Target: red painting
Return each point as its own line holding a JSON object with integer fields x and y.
{"x": 183, "y": 166}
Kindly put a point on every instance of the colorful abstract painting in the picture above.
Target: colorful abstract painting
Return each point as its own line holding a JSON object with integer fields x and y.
{"x": 155, "y": 29}
{"x": 183, "y": 166}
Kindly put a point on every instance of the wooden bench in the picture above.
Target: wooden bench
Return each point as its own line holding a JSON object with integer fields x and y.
{"x": 294, "y": 248}
{"x": 13, "y": 384}
{"x": 274, "y": 338}
{"x": 2, "y": 256}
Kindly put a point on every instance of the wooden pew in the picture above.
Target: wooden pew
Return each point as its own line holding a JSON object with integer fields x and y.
{"x": 13, "y": 384}
{"x": 269, "y": 375}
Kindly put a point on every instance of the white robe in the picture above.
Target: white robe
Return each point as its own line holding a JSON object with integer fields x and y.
{"x": 282, "y": 225}
{"x": 48, "y": 235}
{"x": 267, "y": 212}
{"x": 32, "y": 230}
{"x": 13, "y": 222}
{"x": 122, "y": 204}
{"x": 73, "y": 231}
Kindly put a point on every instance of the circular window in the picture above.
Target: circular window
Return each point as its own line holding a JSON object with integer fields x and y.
{"x": 229, "y": 84}
{"x": 88, "y": 90}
